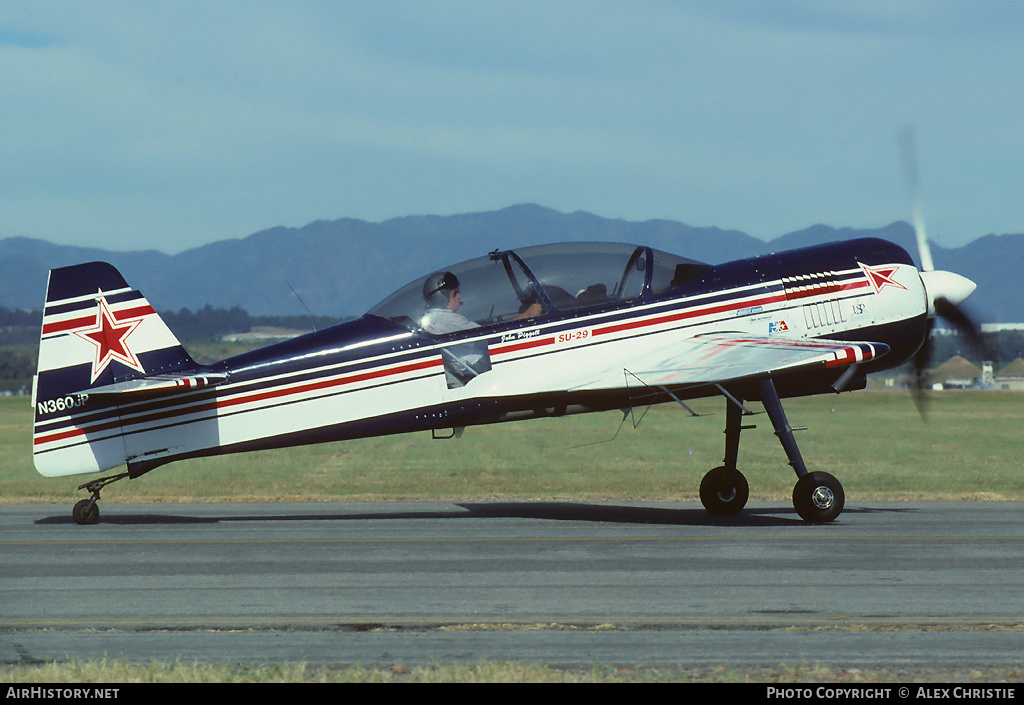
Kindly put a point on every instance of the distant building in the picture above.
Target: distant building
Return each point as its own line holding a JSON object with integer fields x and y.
{"x": 262, "y": 333}
{"x": 997, "y": 327}
{"x": 1010, "y": 376}
{"x": 956, "y": 373}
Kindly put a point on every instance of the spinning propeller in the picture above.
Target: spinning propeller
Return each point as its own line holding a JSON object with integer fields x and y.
{"x": 945, "y": 290}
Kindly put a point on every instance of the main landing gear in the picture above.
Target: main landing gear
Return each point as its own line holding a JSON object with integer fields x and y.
{"x": 86, "y": 511}
{"x": 817, "y": 496}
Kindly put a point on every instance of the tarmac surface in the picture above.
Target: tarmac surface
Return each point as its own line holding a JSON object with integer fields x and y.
{"x": 912, "y": 584}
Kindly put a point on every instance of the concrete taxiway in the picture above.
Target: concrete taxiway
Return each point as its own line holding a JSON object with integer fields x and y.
{"x": 563, "y": 583}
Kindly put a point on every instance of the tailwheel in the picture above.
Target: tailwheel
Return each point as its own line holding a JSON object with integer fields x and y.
{"x": 724, "y": 491}
{"x": 818, "y": 497}
{"x": 86, "y": 511}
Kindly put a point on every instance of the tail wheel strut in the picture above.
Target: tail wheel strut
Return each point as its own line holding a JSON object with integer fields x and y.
{"x": 86, "y": 511}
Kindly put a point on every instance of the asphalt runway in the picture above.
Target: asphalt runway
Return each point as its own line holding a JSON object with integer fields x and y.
{"x": 900, "y": 585}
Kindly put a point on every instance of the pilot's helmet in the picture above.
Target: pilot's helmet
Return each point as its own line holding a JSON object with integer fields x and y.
{"x": 437, "y": 287}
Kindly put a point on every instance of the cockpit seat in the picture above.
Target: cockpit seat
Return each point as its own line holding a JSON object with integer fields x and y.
{"x": 560, "y": 298}
{"x": 593, "y": 294}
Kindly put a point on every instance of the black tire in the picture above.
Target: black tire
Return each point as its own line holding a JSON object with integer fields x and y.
{"x": 724, "y": 491}
{"x": 86, "y": 511}
{"x": 818, "y": 497}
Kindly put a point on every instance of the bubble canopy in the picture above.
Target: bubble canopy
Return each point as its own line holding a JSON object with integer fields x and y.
{"x": 542, "y": 280}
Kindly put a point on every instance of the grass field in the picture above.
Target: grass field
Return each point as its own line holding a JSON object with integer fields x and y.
{"x": 873, "y": 441}
{"x": 114, "y": 671}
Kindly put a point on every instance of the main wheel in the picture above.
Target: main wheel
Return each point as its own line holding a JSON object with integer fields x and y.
{"x": 818, "y": 497}
{"x": 86, "y": 511}
{"x": 724, "y": 491}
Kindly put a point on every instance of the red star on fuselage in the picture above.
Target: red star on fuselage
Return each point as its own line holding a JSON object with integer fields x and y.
{"x": 882, "y": 276}
{"x": 108, "y": 335}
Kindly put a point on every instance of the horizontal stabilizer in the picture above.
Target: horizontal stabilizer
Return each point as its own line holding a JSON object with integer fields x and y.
{"x": 161, "y": 383}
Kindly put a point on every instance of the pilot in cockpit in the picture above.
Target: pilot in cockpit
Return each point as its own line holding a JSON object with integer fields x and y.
{"x": 441, "y": 292}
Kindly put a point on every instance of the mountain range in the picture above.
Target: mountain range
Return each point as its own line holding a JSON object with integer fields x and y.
{"x": 343, "y": 267}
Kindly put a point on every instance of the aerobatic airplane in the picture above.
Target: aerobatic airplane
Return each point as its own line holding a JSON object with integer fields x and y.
{"x": 542, "y": 331}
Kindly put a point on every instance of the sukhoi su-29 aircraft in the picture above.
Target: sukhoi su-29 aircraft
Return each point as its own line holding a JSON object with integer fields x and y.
{"x": 542, "y": 331}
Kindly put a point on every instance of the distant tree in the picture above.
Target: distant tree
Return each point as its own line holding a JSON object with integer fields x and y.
{"x": 207, "y": 323}
{"x": 16, "y": 368}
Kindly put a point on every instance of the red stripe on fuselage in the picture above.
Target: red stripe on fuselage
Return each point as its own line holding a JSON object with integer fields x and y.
{"x": 525, "y": 345}
{"x": 690, "y": 313}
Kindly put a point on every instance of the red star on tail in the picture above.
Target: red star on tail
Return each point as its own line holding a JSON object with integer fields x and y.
{"x": 108, "y": 335}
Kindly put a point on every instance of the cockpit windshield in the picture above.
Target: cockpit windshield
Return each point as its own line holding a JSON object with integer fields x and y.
{"x": 533, "y": 281}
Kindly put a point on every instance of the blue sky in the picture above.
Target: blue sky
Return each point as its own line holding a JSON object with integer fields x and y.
{"x": 132, "y": 125}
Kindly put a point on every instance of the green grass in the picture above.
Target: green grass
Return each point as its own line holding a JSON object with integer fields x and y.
{"x": 873, "y": 441}
{"x": 122, "y": 672}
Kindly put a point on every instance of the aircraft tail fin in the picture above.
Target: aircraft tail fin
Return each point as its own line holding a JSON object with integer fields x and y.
{"x": 99, "y": 337}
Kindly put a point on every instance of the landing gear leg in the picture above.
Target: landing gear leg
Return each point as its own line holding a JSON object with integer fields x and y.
{"x": 86, "y": 511}
{"x": 724, "y": 490}
{"x": 817, "y": 496}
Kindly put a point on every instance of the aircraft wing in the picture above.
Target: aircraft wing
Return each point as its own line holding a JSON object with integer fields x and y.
{"x": 717, "y": 358}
